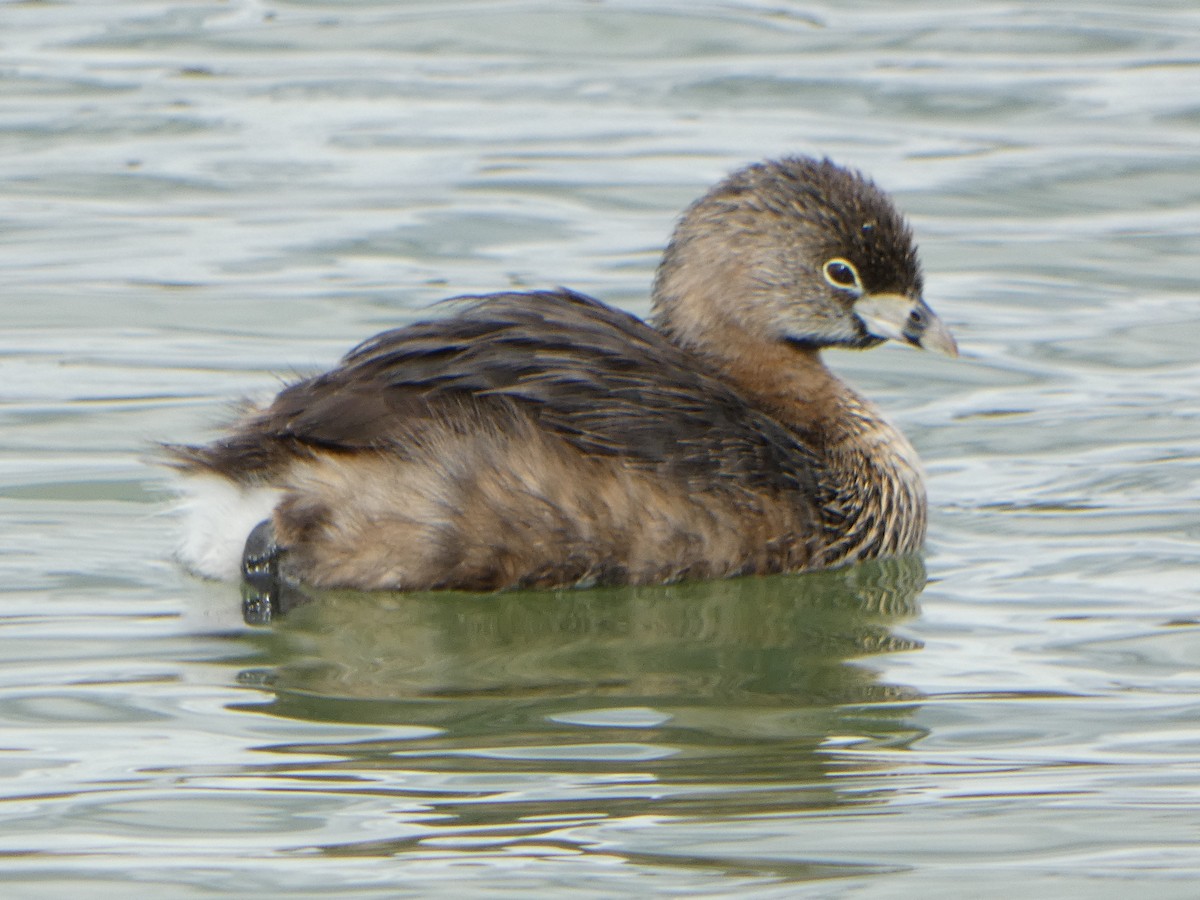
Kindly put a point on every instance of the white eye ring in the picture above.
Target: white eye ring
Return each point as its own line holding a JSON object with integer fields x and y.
{"x": 841, "y": 274}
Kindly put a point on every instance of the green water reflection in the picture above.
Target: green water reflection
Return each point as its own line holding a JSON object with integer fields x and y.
{"x": 735, "y": 696}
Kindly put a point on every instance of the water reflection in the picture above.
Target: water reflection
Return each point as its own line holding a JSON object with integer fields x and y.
{"x": 781, "y": 639}
{"x": 733, "y": 695}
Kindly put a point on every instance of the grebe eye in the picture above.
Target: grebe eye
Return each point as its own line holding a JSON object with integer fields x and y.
{"x": 842, "y": 274}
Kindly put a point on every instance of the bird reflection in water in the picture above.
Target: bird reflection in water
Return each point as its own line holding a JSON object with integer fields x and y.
{"x": 778, "y": 638}
{"x": 518, "y": 717}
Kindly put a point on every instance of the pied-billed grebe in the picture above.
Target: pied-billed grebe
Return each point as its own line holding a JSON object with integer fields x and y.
{"x": 544, "y": 439}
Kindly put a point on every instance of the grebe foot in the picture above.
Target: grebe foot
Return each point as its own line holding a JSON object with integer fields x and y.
{"x": 260, "y": 556}
{"x": 266, "y": 592}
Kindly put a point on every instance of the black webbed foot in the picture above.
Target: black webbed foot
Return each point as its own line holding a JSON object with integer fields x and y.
{"x": 266, "y": 592}
{"x": 260, "y": 556}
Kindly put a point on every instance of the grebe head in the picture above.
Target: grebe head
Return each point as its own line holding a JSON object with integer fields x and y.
{"x": 797, "y": 251}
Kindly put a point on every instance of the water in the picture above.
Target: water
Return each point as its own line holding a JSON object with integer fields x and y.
{"x": 198, "y": 200}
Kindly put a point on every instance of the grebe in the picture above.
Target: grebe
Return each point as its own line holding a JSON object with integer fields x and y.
{"x": 545, "y": 439}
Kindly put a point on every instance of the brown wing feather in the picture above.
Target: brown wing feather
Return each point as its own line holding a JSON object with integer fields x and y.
{"x": 602, "y": 379}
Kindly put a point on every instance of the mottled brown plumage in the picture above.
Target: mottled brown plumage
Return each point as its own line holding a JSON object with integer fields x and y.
{"x": 544, "y": 439}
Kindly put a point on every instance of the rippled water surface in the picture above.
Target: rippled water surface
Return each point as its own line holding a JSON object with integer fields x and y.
{"x": 197, "y": 200}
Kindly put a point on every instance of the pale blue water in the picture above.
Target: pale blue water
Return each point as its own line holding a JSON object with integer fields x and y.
{"x": 199, "y": 200}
